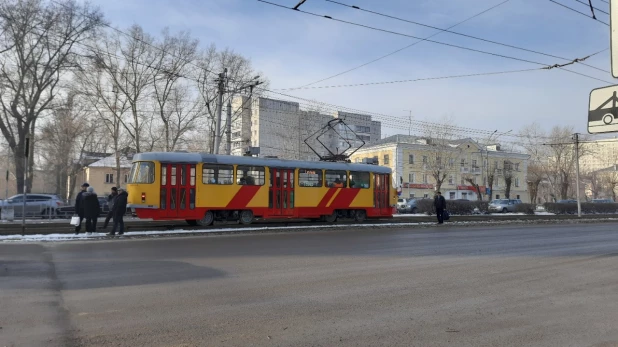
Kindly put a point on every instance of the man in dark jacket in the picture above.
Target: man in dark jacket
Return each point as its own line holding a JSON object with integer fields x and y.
{"x": 92, "y": 208}
{"x": 119, "y": 209}
{"x": 440, "y": 204}
{"x": 79, "y": 207}
{"x": 110, "y": 205}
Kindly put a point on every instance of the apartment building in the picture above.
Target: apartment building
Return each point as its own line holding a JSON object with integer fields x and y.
{"x": 415, "y": 161}
{"x": 279, "y": 128}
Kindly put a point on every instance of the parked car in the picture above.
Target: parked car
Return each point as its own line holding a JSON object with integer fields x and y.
{"x": 401, "y": 203}
{"x": 602, "y": 201}
{"x": 37, "y": 205}
{"x": 69, "y": 211}
{"x": 503, "y": 205}
{"x": 567, "y": 201}
{"x": 409, "y": 207}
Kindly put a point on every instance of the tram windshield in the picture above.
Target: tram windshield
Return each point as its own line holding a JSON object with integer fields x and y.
{"x": 142, "y": 172}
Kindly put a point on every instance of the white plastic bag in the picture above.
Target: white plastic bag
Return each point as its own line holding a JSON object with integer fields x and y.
{"x": 75, "y": 220}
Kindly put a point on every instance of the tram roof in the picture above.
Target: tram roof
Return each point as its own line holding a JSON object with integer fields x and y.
{"x": 194, "y": 158}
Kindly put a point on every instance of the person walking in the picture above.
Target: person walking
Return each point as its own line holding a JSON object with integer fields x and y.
{"x": 110, "y": 205}
{"x": 92, "y": 209}
{"x": 119, "y": 210}
{"x": 440, "y": 204}
{"x": 79, "y": 206}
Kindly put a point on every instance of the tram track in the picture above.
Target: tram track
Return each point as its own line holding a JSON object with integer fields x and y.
{"x": 230, "y": 227}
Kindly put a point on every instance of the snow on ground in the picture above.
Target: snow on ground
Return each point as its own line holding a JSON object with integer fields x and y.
{"x": 95, "y": 236}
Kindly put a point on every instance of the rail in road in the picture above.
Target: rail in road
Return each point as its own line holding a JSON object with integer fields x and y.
{"x": 63, "y": 227}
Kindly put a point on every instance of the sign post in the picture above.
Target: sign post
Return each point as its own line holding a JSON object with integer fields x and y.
{"x": 613, "y": 33}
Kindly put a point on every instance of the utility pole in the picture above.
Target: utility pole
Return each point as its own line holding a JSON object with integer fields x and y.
{"x": 25, "y": 195}
{"x": 221, "y": 82}
{"x": 410, "y": 123}
{"x": 579, "y": 205}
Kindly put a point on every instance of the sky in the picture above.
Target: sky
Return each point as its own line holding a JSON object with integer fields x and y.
{"x": 293, "y": 49}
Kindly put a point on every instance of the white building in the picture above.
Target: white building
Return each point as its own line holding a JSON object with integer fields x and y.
{"x": 279, "y": 128}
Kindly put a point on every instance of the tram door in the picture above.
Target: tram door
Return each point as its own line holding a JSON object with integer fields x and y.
{"x": 177, "y": 189}
{"x": 381, "y": 198}
{"x": 281, "y": 192}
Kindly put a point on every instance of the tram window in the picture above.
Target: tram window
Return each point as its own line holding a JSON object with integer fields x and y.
{"x": 336, "y": 179}
{"x": 142, "y": 172}
{"x": 250, "y": 175}
{"x": 359, "y": 179}
{"x": 217, "y": 174}
{"x": 310, "y": 178}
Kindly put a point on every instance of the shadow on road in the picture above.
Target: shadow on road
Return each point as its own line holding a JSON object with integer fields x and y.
{"x": 102, "y": 274}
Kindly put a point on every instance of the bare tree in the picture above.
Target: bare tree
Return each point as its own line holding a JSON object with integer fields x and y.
{"x": 239, "y": 73}
{"x": 109, "y": 106}
{"x": 39, "y": 38}
{"x": 442, "y": 152}
{"x": 177, "y": 52}
{"x": 472, "y": 181}
{"x": 535, "y": 177}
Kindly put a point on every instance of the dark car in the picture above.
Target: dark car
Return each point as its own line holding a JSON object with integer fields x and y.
{"x": 568, "y": 201}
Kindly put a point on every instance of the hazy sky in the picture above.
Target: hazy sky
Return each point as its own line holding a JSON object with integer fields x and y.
{"x": 293, "y": 49}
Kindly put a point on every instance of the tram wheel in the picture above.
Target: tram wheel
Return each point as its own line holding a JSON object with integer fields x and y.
{"x": 360, "y": 215}
{"x": 246, "y": 217}
{"x": 331, "y": 218}
{"x": 208, "y": 219}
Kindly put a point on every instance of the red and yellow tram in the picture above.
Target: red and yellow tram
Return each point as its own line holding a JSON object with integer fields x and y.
{"x": 202, "y": 188}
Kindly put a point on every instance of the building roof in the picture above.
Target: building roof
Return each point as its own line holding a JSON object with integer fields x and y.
{"x": 110, "y": 162}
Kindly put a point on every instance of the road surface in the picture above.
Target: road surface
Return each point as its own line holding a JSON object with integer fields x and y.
{"x": 553, "y": 285}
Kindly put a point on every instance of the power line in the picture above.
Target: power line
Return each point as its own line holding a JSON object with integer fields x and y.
{"x": 417, "y": 79}
{"x": 574, "y": 10}
{"x": 415, "y": 37}
{"x": 461, "y": 34}
{"x": 406, "y": 47}
{"x": 595, "y": 8}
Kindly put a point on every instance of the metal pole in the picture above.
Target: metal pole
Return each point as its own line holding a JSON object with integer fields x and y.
{"x": 579, "y": 205}
{"x": 228, "y": 128}
{"x": 25, "y": 194}
{"x": 219, "y": 111}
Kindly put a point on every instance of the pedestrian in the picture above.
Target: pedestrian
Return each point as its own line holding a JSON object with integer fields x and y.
{"x": 110, "y": 205}
{"x": 92, "y": 209}
{"x": 119, "y": 210}
{"x": 440, "y": 204}
{"x": 79, "y": 206}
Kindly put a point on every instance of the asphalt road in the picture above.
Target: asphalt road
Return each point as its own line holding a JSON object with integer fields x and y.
{"x": 554, "y": 285}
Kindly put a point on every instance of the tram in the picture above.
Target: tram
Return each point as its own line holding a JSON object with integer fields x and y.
{"x": 203, "y": 188}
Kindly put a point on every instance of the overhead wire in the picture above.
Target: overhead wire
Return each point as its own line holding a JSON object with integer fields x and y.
{"x": 406, "y": 47}
{"x": 432, "y": 41}
{"x": 574, "y": 10}
{"x": 595, "y": 8}
{"x": 461, "y": 34}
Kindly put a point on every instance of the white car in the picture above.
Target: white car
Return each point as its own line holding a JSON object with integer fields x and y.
{"x": 401, "y": 203}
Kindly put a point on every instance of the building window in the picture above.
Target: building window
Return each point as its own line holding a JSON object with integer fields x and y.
{"x": 126, "y": 178}
{"x": 497, "y": 196}
{"x": 424, "y": 178}
{"x": 451, "y": 196}
{"x": 386, "y": 159}
{"x": 463, "y": 181}
{"x": 518, "y": 197}
{"x": 424, "y": 159}
{"x": 411, "y": 178}
{"x": 516, "y": 181}
{"x": 451, "y": 163}
{"x": 451, "y": 179}
{"x": 474, "y": 164}
{"x": 439, "y": 161}
{"x": 425, "y": 196}
{"x": 463, "y": 162}
{"x": 464, "y": 196}
{"x": 109, "y": 178}
{"x": 411, "y": 195}
{"x": 517, "y": 167}
{"x": 411, "y": 159}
